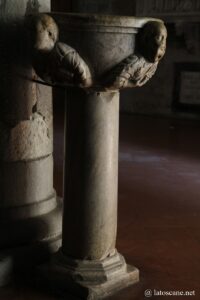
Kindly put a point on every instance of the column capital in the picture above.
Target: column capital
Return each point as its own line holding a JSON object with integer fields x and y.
{"x": 57, "y": 63}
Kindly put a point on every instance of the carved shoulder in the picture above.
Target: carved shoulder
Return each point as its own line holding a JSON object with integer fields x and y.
{"x": 132, "y": 72}
{"x": 138, "y": 68}
{"x": 54, "y": 61}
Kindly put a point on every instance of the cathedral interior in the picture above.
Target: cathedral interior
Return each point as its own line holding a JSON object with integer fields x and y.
{"x": 158, "y": 219}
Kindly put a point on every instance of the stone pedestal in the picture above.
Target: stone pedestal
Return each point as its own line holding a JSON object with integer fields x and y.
{"x": 88, "y": 265}
{"x": 30, "y": 215}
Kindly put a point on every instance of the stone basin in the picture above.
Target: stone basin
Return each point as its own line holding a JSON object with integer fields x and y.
{"x": 101, "y": 40}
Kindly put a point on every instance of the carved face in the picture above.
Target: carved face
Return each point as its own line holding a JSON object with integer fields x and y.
{"x": 46, "y": 33}
{"x": 152, "y": 41}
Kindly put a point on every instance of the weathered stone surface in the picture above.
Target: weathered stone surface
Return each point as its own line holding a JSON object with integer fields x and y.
{"x": 44, "y": 108}
{"x": 22, "y": 183}
{"x": 15, "y": 9}
{"x": 29, "y": 211}
{"x": 28, "y": 140}
{"x": 90, "y": 215}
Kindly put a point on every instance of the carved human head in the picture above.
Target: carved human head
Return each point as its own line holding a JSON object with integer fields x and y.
{"x": 45, "y": 32}
{"x": 152, "y": 41}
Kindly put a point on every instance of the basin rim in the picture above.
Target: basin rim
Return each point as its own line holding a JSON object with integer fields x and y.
{"x": 97, "y": 22}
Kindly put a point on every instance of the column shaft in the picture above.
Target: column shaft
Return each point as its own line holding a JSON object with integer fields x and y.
{"x": 91, "y": 174}
{"x": 27, "y": 196}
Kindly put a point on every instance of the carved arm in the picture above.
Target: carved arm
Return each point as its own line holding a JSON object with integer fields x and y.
{"x": 54, "y": 61}
{"x": 138, "y": 68}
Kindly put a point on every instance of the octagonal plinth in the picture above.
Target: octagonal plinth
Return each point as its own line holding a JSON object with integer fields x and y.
{"x": 89, "y": 279}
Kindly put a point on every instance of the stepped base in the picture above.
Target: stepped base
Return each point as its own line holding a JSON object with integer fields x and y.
{"x": 89, "y": 280}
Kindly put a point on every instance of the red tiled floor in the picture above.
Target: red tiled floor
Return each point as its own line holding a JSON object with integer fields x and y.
{"x": 159, "y": 205}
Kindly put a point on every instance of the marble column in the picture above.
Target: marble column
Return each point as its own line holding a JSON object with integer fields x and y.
{"x": 30, "y": 215}
{"x": 111, "y": 53}
{"x": 91, "y": 174}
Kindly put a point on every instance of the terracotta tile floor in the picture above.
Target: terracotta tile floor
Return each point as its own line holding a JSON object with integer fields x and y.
{"x": 159, "y": 206}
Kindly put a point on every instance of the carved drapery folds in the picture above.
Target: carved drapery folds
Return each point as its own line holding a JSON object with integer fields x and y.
{"x": 134, "y": 71}
{"x": 138, "y": 68}
{"x": 54, "y": 61}
{"x": 58, "y": 63}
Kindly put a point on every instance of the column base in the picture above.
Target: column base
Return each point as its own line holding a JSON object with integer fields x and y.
{"x": 42, "y": 228}
{"x": 29, "y": 242}
{"x": 88, "y": 279}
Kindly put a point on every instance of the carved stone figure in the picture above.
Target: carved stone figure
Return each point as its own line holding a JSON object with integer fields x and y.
{"x": 58, "y": 63}
{"x": 53, "y": 61}
{"x": 151, "y": 41}
{"x": 132, "y": 72}
{"x": 138, "y": 68}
